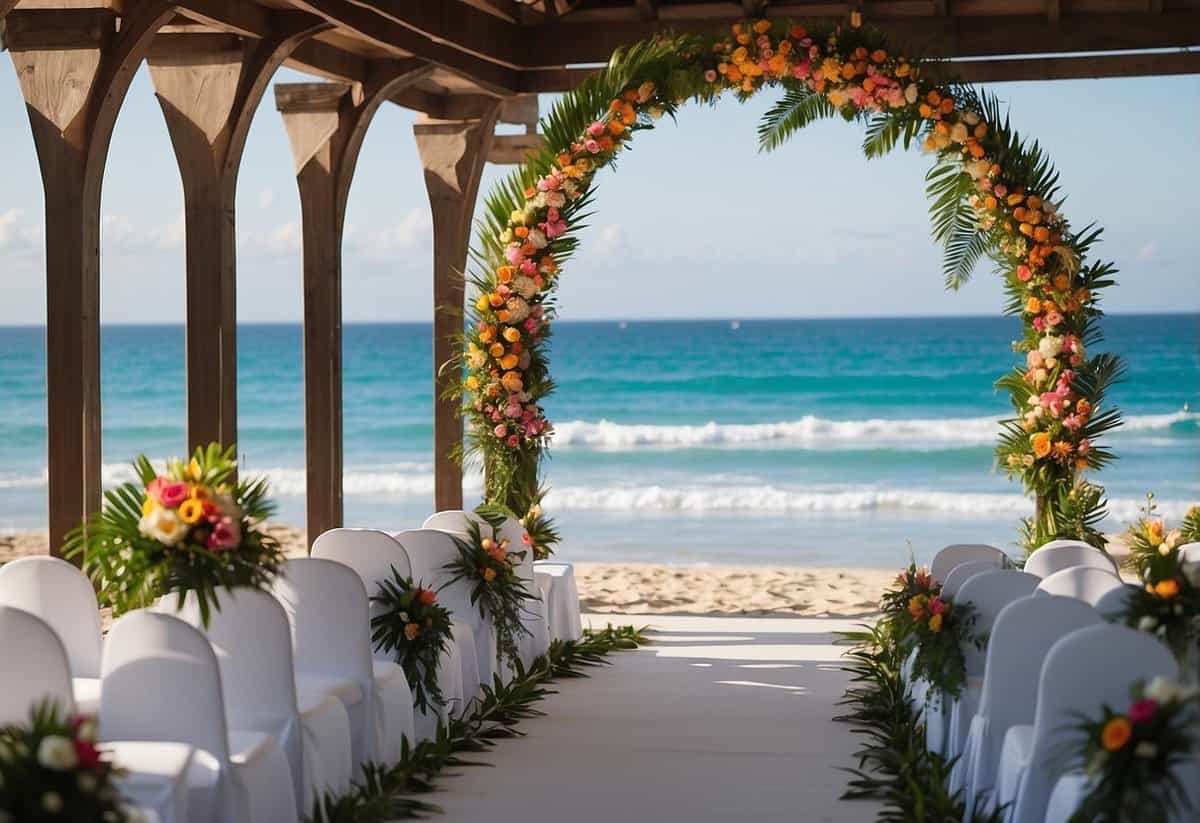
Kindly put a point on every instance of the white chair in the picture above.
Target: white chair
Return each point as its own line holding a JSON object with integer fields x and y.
{"x": 1086, "y": 583}
{"x": 162, "y": 682}
{"x": 1072, "y": 788}
{"x": 61, "y": 595}
{"x": 375, "y": 556}
{"x": 949, "y": 557}
{"x": 963, "y": 572}
{"x": 1189, "y": 553}
{"x": 1113, "y": 604}
{"x": 251, "y": 638}
{"x": 986, "y": 593}
{"x": 1021, "y": 637}
{"x": 1089, "y": 668}
{"x": 1064, "y": 554}
{"x": 327, "y": 608}
{"x": 556, "y": 580}
{"x": 429, "y": 550}
{"x": 536, "y": 640}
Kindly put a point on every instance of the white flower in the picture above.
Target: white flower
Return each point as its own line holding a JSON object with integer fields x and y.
{"x": 1050, "y": 346}
{"x": 978, "y": 169}
{"x": 52, "y": 802}
{"x": 910, "y": 93}
{"x": 506, "y": 236}
{"x": 57, "y": 753}
{"x": 1160, "y": 690}
{"x": 656, "y": 113}
{"x": 1145, "y": 749}
{"x": 163, "y": 525}
{"x": 524, "y": 286}
{"x": 556, "y": 199}
{"x": 970, "y": 118}
{"x": 1147, "y": 624}
{"x": 537, "y": 239}
{"x": 958, "y": 133}
{"x": 518, "y": 310}
{"x": 517, "y": 217}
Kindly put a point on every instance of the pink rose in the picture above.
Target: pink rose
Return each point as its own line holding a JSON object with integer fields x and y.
{"x": 801, "y": 70}
{"x": 1053, "y": 318}
{"x": 1072, "y": 422}
{"x": 225, "y": 535}
{"x": 710, "y": 76}
{"x": 1034, "y": 359}
{"x": 592, "y": 146}
{"x": 1084, "y": 447}
{"x": 172, "y": 495}
{"x": 595, "y": 130}
{"x": 1039, "y": 324}
{"x": 1001, "y": 190}
{"x": 1024, "y": 274}
{"x": 513, "y": 441}
{"x": 1143, "y": 711}
{"x": 513, "y": 254}
{"x": 501, "y": 430}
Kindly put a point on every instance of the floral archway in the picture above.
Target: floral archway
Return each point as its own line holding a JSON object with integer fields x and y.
{"x": 992, "y": 194}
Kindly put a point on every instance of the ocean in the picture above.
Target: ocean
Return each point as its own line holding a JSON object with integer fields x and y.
{"x": 807, "y": 442}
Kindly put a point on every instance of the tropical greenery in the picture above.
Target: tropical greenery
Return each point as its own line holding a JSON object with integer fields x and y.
{"x": 1131, "y": 756}
{"x": 993, "y": 194}
{"x": 383, "y": 794}
{"x": 194, "y": 528}
{"x": 51, "y": 770}
{"x": 410, "y": 625}
{"x": 489, "y": 564}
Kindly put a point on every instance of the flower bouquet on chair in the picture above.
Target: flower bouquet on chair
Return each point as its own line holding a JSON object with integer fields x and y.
{"x": 490, "y": 565}
{"x": 194, "y": 528}
{"x": 52, "y": 770}
{"x": 413, "y": 627}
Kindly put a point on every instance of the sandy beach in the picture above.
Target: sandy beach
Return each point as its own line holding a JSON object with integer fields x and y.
{"x": 652, "y": 588}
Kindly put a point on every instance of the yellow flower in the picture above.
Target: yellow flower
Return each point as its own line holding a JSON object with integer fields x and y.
{"x": 762, "y": 26}
{"x": 1116, "y": 733}
{"x": 512, "y": 335}
{"x": 1041, "y": 444}
{"x": 193, "y": 469}
{"x": 496, "y": 350}
{"x": 935, "y": 623}
{"x": 1033, "y": 305}
{"x": 1154, "y": 533}
{"x": 473, "y": 383}
{"x": 482, "y": 303}
{"x": 509, "y": 361}
{"x": 148, "y": 506}
{"x": 489, "y": 575}
{"x": 191, "y": 510}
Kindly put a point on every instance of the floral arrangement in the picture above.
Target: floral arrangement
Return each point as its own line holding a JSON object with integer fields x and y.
{"x": 1168, "y": 604}
{"x": 192, "y": 529}
{"x": 414, "y": 627}
{"x": 51, "y": 769}
{"x": 541, "y": 535}
{"x": 939, "y": 629}
{"x": 1129, "y": 756}
{"x": 911, "y": 583}
{"x": 993, "y": 194}
{"x": 490, "y": 566}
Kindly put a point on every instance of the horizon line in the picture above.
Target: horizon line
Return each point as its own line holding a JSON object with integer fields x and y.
{"x": 698, "y": 319}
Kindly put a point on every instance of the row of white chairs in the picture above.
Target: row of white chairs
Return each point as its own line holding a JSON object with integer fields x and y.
{"x": 279, "y": 699}
{"x": 1051, "y": 655}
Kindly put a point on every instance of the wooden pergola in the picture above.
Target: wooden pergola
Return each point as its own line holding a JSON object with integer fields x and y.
{"x": 464, "y": 65}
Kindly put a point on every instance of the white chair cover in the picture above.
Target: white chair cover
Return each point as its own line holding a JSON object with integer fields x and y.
{"x": 429, "y": 550}
{"x": 33, "y": 666}
{"x": 556, "y": 579}
{"x": 1021, "y": 636}
{"x": 162, "y": 682}
{"x": 537, "y": 641}
{"x": 1089, "y": 668}
{"x": 326, "y": 604}
{"x": 987, "y": 591}
{"x": 963, "y": 572}
{"x": 1190, "y": 553}
{"x": 251, "y": 638}
{"x": 1086, "y": 583}
{"x": 1113, "y": 603}
{"x": 61, "y": 595}
{"x": 375, "y": 555}
{"x": 954, "y": 555}
{"x": 1063, "y": 554}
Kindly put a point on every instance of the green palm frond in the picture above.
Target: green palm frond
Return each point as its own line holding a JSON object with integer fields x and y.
{"x": 798, "y": 108}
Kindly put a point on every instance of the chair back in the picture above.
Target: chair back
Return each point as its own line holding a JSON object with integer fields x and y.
{"x": 1113, "y": 604}
{"x": 1190, "y": 553}
{"x": 429, "y": 551}
{"x": 989, "y": 593}
{"x": 455, "y": 521}
{"x": 327, "y": 609}
{"x": 162, "y": 683}
{"x": 1086, "y": 583}
{"x": 963, "y": 572}
{"x": 61, "y": 595}
{"x": 450, "y": 520}
{"x": 959, "y": 553}
{"x": 1063, "y": 554}
{"x": 33, "y": 666}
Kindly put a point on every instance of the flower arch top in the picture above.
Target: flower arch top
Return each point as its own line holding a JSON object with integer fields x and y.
{"x": 992, "y": 194}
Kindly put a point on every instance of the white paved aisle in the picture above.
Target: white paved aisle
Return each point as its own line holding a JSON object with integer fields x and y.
{"x": 721, "y": 719}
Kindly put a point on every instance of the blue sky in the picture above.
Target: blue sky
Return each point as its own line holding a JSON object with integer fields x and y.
{"x": 695, "y": 222}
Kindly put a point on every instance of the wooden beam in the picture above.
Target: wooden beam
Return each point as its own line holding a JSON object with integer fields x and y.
{"x": 457, "y": 24}
{"x": 73, "y": 98}
{"x": 64, "y": 29}
{"x": 326, "y": 127}
{"x": 323, "y": 60}
{"x": 1155, "y": 64}
{"x": 513, "y": 149}
{"x": 453, "y": 153}
{"x": 1053, "y": 10}
{"x": 647, "y": 9}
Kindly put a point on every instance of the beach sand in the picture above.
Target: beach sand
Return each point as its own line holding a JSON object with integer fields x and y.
{"x": 650, "y": 588}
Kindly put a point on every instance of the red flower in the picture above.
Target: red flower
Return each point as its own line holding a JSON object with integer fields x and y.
{"x": 426, "y": 597}
{"x": 88, "y": 754}
{"x": 1143, "y": 711}
{"x": 937, "y": 606}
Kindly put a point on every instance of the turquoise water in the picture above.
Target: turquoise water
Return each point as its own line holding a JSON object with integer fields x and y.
{"x": 785, "y": 441}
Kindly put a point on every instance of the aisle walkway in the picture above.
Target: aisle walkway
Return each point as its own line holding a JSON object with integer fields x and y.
{"x": 721, "y": 719}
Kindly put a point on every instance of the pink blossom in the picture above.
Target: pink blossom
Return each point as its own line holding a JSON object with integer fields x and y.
{"x": 171, "y": 495}
{"x": 513, "y": 254}
{"x": 553, "y": 229}
{"x": 1053, "y": 318}
{"x": 501, "y": 430}
{"x": 1039, "y": 324}
{"x": 1001, "y": 190}
{"x": 551, "y": 213}
{"x": 523, "y": 361}
{"x": 1143, "y": 711}
{"x": 596, "y": 129}
{"x": 1072, "y": 422}
{"x": 801, "y": 70}
{"x": 513, "y": 441}
{"x": 1084, "y": 447}
{"x": 1034, "y": 359}
{"x": 530, "y": 324}
{"x": 818, "y": 75}
{"x": 1077, "y": 360}
{"x": 528, "y": 267}
{"x": 985, "y": 184}
{"x": 225, "y": 535}
{"x": 592, "y": 146}
{"x": 503, "y": 290}
{"x": 1024, "y": 274}
{"x": 710, "y": 76}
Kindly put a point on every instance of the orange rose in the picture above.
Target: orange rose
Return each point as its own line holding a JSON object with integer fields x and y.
{"x": 1166, "y": 589}
{"x": 1116, "y": 734}
{"x": 411, "y": 630}
{"x": 1041, "y": 444}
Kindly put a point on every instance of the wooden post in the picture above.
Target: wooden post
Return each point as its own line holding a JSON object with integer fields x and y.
{"x": 209, "y": 98}
{"x": 453, "y": 153}
{"x": 326, "y": 124}
{"x": 74, "y": 70}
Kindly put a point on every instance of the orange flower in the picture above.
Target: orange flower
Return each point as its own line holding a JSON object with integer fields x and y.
{"x": 762, "y": 26}
{"x": 878, "y": 56}
{"x": 495, "y": 300}
{"x": 1062, "y": 450}
{"x": 1033, "y": 305}
{"x": 1041, "y": 444}
{"x": 489, "y": 575}
{"x": 935, "y": 623}
{"x": 496, "y": 350}
{"x": 1166, "y": 589}
{"x": 411, "y": 630}
{"x": 426, "y": 597}
{"x": 1116, "y": 734}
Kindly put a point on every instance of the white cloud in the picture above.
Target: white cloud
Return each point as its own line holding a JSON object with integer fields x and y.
{"x": 284, "y": 239}
{"x": 611, "y": 240}
{"x": 414, "y": 230}
{"x": 1148, "y": 251}
{"x": 121, "y": 235}
{"x": 13, "y": 233}
{"x": 266, "y": 197}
